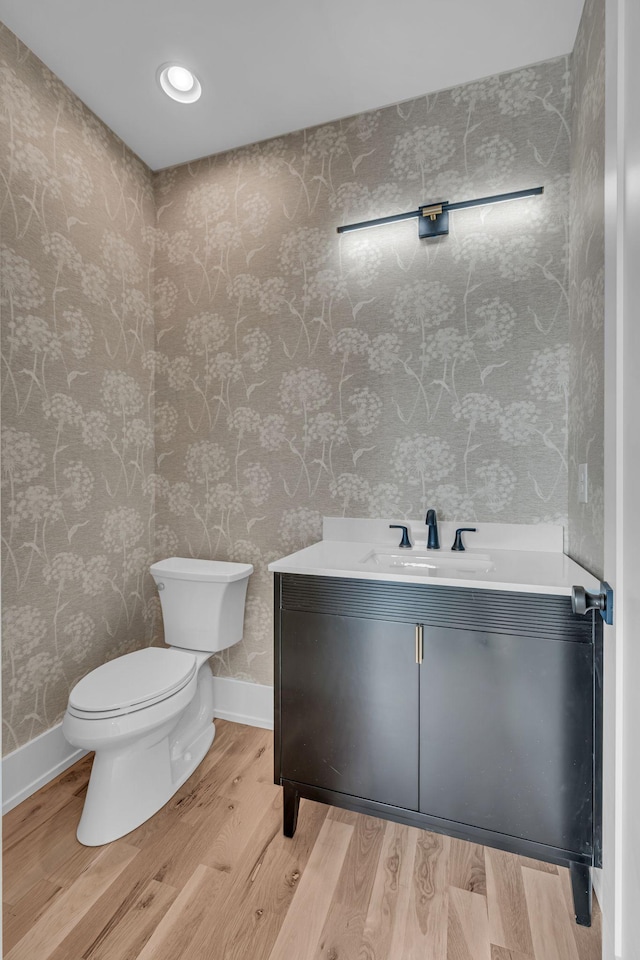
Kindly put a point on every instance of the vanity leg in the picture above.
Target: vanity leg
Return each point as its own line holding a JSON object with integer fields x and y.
{"x": 291, "y": 803}
{"x": 581, "y": 887}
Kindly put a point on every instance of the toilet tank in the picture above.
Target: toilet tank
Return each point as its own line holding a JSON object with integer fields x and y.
{"x": 202, "y": 601}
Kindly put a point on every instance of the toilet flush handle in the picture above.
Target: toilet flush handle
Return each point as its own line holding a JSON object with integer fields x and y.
{"x": 160, "y": 586}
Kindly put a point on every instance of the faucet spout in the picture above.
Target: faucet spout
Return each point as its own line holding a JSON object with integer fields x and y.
{"x": 433, "y": 541}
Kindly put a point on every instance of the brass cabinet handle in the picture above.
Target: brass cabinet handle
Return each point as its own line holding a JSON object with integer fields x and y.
{"x": 419, "y": 642}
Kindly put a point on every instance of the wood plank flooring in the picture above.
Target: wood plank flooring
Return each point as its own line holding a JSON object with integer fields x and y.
{"x": 211, "y": 877}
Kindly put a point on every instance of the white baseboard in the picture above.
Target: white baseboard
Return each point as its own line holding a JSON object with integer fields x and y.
{"x": 36, "y": 763}
{"x": 33, "y": 765}
{"x": 242, "y": 702}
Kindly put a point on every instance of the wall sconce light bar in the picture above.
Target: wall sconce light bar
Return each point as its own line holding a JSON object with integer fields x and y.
{"x": 433, "y": 219}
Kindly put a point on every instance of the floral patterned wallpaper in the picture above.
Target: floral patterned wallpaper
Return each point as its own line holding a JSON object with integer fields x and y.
{"x": 586, "y": 274}
{"x": 289, "y": 373}
{"x": 302, "y": 374}
{"x": 77, "y": 401}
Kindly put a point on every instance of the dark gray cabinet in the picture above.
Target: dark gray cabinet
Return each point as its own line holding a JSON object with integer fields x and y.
{"x": 350, "y": 698}
{"x": 506, "y": 742}
{"x": 488, "y": 729}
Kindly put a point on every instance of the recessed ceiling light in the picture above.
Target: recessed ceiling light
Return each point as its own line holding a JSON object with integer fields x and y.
{"x": 179, "y": 83}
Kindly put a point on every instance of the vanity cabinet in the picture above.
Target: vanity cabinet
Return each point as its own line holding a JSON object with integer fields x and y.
{"x": 350, "y": 697}
{"x": 475, "y": 713}
{"x": 507, "y": 735}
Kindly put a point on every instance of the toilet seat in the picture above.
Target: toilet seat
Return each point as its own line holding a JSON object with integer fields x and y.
{"x": 132, "y": 682}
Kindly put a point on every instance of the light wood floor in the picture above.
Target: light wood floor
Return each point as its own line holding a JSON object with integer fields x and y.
{"x": 211, "y": 877}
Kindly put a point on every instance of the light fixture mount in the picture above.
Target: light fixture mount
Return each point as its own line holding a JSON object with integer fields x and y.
{"x": 433, "y": 218}
{"x": 179, "y": 82}
{"x": 433, "y": 221}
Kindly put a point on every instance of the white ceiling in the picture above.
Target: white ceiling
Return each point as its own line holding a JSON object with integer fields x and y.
{"x": 269, "y": 68}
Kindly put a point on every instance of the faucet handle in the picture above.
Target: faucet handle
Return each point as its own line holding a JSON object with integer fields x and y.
{"x": 457, "y": 543}
{"x": 405, "y": 542}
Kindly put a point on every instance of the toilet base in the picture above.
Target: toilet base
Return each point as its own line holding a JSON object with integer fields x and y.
{"x": 125, "y": 789}
{"x": 129, "y": 783}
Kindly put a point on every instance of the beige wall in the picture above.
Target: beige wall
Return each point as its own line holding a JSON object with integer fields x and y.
{"x": 300, "y": 374}
{"x": 586, "y": 328}
{"x": 77, "y": 401}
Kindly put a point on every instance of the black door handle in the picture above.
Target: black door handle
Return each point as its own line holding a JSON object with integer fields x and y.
{"x": 583, "y": 600}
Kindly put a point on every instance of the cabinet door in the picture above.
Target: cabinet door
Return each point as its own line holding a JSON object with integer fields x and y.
{"x": 349, "y": 706}
{"x": 507, "y": 734}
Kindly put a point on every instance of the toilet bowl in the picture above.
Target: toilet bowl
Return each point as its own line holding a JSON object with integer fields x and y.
{"x": 148, "y": 715}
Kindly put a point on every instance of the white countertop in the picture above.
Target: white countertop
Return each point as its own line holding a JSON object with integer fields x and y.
{"x": 531, "y": 570}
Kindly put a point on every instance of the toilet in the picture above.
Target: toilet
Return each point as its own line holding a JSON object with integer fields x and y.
{"x": 149, "y": 715}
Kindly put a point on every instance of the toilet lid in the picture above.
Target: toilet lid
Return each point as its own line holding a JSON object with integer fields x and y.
{"x": 144, "y": 677}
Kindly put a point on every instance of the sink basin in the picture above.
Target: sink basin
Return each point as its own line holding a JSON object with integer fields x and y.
{"x": 429, "y": 564}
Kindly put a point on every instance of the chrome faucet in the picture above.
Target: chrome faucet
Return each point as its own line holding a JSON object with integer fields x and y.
{"x": 433, "y": 542}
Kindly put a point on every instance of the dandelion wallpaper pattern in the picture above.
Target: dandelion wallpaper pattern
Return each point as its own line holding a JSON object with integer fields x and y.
{"x": 77, "y": 402}
{"x": 196, "y": 364}
{"x": 302, "y": 374}
{"x": 586, "y": 323}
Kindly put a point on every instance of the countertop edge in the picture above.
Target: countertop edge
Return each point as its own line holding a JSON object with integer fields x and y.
{"x": 510, "y": 587}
